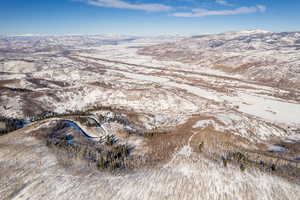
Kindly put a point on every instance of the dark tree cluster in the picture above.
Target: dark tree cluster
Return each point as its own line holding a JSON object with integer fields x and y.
{"x": 106, "y": 154}
{"x": 11, "y": 124}
{"x": 287, "y": 168}
{"x": 49, "y": 114}
{"x": 44, "y": 115}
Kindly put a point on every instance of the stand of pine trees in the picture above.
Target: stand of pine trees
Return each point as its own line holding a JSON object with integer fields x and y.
{"x": 11, "y": 124}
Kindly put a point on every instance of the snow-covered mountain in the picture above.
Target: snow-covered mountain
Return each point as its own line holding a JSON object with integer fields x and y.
{"x": 32, "y": 44}
{"x": 18, "y": 44}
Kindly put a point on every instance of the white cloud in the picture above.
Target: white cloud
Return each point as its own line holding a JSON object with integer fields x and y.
{"x": 126, "y": 5}
{"x": 203, "y": 12}
{"x": 224, "y": 3}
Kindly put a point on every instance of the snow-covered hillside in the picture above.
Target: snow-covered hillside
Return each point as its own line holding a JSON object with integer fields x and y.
{"x": 259, "y": 55}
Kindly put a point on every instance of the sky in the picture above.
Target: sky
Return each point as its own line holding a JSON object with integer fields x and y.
{"x": 146, "y": 17}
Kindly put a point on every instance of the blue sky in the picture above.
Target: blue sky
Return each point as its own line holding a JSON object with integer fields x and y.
{"x": 146, "y": 17}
